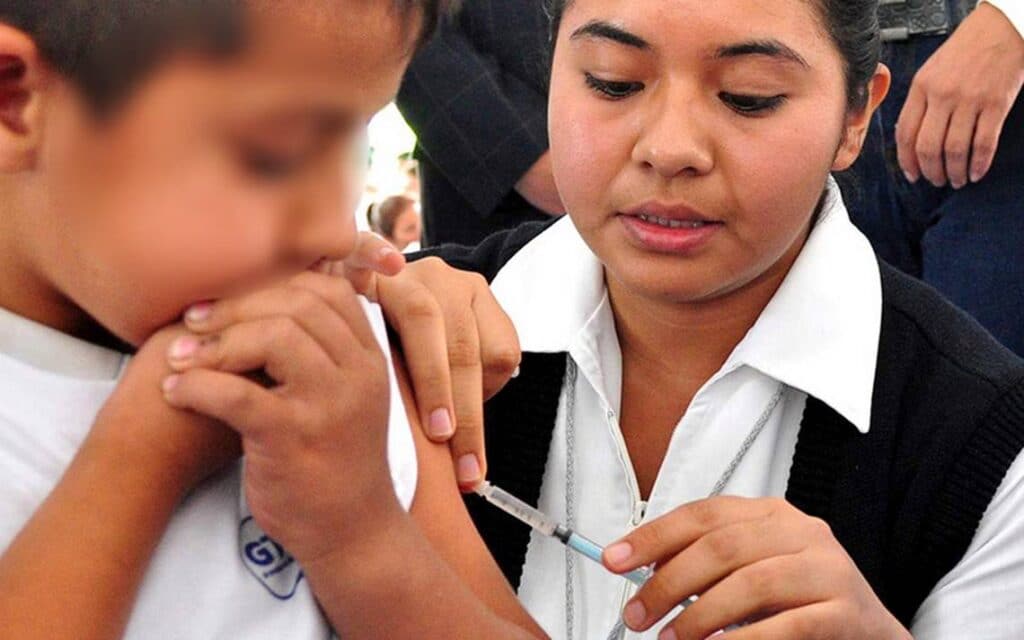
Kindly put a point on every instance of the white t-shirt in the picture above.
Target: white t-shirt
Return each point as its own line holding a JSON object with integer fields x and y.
{"x": 215, "y": 574}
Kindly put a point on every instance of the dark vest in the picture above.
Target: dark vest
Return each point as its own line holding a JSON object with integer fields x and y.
{"x": 904, "y": 499}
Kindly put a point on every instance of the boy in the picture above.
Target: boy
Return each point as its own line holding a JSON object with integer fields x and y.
{"x": 153, "y": 156}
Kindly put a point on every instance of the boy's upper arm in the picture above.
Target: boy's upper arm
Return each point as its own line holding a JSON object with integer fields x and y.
{"x": 439, "y": 511}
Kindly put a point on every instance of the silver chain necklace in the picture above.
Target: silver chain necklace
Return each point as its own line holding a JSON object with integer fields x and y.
{"x": 571, "y": 375}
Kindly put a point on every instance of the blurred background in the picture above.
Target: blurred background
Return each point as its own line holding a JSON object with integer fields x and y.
{"x": 391, "y": 200}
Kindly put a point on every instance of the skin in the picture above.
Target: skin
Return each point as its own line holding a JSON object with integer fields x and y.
{"x": 219, "y": 180}
{"x": 949, "y": 128}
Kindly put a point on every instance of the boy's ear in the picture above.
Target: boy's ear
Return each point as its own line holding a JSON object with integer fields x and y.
{"x": 22, "y": 74}
{"x": 857, "y": 123}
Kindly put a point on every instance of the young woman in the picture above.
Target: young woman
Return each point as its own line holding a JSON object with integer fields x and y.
{"x": 708, "y": 322}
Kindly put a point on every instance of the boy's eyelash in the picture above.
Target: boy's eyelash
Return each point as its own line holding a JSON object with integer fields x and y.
{"x": 270, "y": 165}
{"x": 751, "y": 106}
{"x": 613, "y": 90}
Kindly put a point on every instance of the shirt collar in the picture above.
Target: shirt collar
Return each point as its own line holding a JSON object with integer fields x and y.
{"x": 818, "y": 334}
{"x": 50, "y": 350}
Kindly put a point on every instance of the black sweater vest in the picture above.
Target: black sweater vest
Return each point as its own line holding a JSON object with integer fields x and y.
{"x": 904, "y": 499}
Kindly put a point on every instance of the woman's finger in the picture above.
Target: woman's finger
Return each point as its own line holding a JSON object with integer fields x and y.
{"x": 670, "y": 534}
{"x": 715, "y": 556}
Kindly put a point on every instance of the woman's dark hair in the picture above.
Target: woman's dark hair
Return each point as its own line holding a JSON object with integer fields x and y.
{"x": 384, "y": 215}
{"x": 107, "y": 46}
{"x": 852, "y": 24}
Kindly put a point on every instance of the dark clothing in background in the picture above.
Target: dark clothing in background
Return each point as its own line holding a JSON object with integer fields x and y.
{"x": 476, "y": 96}
{"x": 968, "y": 244}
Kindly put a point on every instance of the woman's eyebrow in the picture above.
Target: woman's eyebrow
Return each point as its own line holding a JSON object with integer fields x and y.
{"x": 608, "y": 31}
{"x": 769, "y": 48}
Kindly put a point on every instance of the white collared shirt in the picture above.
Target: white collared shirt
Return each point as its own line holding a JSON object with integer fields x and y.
{"x": 214, "y": 575}
{"x": 818, "y": 335}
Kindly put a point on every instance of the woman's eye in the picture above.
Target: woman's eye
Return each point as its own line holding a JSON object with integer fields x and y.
{"x": 611, "y": 89}
{"x": 751, "y": 105}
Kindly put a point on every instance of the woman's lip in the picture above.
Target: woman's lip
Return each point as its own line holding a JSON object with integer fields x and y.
{"x": 680, "y": 240}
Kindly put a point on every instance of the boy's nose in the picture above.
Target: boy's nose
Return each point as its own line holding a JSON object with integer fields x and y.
{"x": 324, "y": 219}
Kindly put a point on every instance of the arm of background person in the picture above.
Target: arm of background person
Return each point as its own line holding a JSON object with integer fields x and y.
{"x": 483, "y": 128}
{"x": 959, "y": 100}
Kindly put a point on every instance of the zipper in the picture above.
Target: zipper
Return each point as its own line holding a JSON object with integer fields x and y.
{"x": 639, "y": 505}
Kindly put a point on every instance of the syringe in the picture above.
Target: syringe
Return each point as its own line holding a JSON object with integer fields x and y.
{"x": 549, "y": 527}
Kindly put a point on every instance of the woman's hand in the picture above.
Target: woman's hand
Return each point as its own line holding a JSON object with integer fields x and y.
{"x": 459, "y": 345}
{"x": 759, "y": 563}
{"x": 314, "y": 422}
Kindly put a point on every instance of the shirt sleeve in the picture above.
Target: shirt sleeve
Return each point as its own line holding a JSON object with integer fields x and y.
{"x": 983, "y": 596}
{"x": 481, "y": 126}
{"x": 1013, "y": 10}
{"x": 401, "y": 448}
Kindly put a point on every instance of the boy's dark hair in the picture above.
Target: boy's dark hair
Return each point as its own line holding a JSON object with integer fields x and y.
{"x": 106, "y": 46}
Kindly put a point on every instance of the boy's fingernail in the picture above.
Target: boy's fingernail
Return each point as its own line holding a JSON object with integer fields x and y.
{"x": 910, "y": 178}
{"x": 183, "y": 348}
{"x": 468, "y": 469}
{"x": 668, "y": 634}
{"x": 977, "y": 174}
{"x": 618, "y": 553}
{"x": 635, "y": 614}
{"x": 386, "y": 252}
{"x": 516, "y": 372}
{"x": 440, "y": 425}
{"x": 169, "y": 383}
{"x": 200, "y": 312}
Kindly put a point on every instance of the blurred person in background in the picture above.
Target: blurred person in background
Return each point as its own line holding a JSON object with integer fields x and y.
{"x": 476, "y": 96}
{"x": 396, "y": 218}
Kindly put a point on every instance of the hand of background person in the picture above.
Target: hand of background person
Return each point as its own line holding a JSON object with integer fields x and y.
{"x": 183, "y": 447}
{"x": 538, "y": 187}
{"x": 950, "y": 125}
{"x": 315, "y": 428}
{"x": 756, "y": 561}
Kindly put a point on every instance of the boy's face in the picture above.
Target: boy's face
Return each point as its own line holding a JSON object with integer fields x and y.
{"x": 214, "y": 175}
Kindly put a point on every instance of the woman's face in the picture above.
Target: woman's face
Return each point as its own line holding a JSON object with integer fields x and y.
{"x": 691, "y": 140}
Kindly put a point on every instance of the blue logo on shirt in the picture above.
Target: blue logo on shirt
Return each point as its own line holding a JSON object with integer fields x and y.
{"x": 274, "y": 567}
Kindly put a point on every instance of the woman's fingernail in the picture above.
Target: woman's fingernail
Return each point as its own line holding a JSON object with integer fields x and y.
{"x": 169, "y": 383}
{"x": 183, "y": 348}
{"x": 910, "y": 178}
{"x": 618, "y": 553}
{"x": 635, "y": 614}
{"x": 668, "y": 633}
{"x": 468, "y": 469}
{"x": 516, "y": 372}
{"x": 386, "y": 252}
{"x": 977, "y": 174}
{"x": 199, "y": 313}
{"x": 440, "y": 425}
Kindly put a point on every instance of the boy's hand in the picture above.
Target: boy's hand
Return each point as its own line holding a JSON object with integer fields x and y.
{"x": 188, "y": 448}
{"x": 315, "y": 432}
{"x": 459, "y": 345}
{"x": 760, "y": 561}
